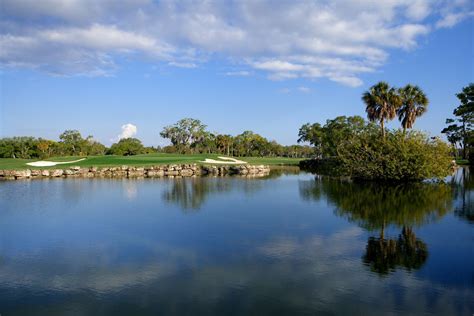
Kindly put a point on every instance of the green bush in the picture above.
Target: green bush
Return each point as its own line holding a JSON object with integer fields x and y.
{"x": 399, "y": 157}
{"x": 411, "y": 156}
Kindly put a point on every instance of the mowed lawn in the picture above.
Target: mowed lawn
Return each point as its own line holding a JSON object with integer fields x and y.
{"x": 139, "y": 160}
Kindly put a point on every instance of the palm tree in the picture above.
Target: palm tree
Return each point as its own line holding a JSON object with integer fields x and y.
{"x": 382, "y": 102}
{"x": 413, "y": 104}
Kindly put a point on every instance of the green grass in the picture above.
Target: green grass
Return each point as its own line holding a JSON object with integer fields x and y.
{"x": 139, "y": 160}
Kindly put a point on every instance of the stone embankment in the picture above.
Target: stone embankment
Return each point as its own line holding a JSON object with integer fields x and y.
{"x": 183, "y": 170}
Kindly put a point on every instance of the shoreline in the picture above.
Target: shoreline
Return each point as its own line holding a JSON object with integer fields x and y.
{"x": 173, "y": 170}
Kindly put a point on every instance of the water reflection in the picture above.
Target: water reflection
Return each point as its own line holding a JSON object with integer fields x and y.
{"x": 463, "y": 186}
{"x": 130, "y": 189}
{"x": 287, "y": 245}
{"x": 376, "y": 207}
{"x": 385, "y": 255}
{"x": 191, "y": 193}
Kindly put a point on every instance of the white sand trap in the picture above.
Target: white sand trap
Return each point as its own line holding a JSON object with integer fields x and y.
{"x": 45, "y": 163}
{"x": 228, "y": 161}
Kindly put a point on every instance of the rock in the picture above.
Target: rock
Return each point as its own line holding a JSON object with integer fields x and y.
{"x": 68, "y": 172}
{"x": 172, "y": 173}
{"x": 22, "y": 173}
{"x": 56, "y": 173}
{"x": 35, "y": 173}
{"x": 155, "y": 173}
{"x": 183, "y": 170}
{"x": 186, "y": 172}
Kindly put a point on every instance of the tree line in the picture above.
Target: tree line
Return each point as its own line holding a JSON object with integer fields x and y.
{"x": 187, "y": 136}
{"x": 191, "y": 136}
{"x": 71, "y": 143}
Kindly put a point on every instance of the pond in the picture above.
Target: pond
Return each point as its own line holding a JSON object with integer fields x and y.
{"x": 289, "y": 244}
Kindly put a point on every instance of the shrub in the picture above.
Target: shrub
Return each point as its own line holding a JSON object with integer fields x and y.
{"x": 400, "y": 157}
{"x": 411, "y": 156}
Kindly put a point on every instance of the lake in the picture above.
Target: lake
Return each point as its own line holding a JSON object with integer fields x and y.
{"x": 289, "y": 244}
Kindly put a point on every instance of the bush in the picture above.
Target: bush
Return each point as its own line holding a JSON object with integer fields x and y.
{"x": 399, "y": 157}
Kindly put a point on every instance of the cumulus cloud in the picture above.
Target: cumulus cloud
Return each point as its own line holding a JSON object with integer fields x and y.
{"x": 128, "y": 130}
{"x": 338, "y": 40}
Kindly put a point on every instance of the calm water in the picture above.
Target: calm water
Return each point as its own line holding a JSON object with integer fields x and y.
{"x": 291, "y": 244}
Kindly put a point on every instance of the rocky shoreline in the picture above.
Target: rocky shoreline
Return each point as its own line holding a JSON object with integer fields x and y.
{"x": 181, "y": 170}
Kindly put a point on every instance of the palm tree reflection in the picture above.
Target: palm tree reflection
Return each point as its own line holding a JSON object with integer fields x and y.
{"x": 385, "y": 255}
{"x": 376, "y": 207}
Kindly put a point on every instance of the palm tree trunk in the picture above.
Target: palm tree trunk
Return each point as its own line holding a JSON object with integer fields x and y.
{"x": 382, "y": 126}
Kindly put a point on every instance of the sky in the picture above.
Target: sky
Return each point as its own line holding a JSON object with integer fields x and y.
{"x": 115, "y": 69}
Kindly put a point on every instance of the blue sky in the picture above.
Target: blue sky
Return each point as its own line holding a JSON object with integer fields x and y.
{"x": 263, "y": 66}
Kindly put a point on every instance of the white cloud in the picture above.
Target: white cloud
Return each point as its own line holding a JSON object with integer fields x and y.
{"x": 128, "y": 130}
{"x": 304, "y": 89}
{"x": 182, "y": 65}
{"x": 451, "y": 19}
{"x": 242, "y": 73}
{"x": 338, "y": 40}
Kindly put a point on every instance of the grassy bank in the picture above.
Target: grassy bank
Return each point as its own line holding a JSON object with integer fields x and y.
{"x": 140, "y": 160}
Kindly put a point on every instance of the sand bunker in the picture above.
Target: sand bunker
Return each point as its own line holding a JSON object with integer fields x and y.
{"x": 45, "y": 163}
{"x": 228, "y": 161}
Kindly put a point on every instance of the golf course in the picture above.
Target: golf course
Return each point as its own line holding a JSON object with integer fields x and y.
{"x": 139, "y": 160}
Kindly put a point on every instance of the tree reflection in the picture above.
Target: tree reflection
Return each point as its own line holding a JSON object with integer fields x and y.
{"x": 375, "y": 206}
{"x": 384, "y": 255}
{"x": 463, "y": 186}
{"x": 191, "y": 193}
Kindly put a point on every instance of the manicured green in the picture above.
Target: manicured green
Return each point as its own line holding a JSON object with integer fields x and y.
{"x": 140, "y": 160}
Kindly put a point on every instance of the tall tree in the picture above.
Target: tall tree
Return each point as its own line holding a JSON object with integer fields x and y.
{"x": 464, "y": 113}
{"x": 72, "y": 140}
{"x": 414, "y": 104}
{"x": 223, "y": 143}
{"x": 127, "y": 147}
{"x": 382, "y": 102}
{"x": 313, "y": 134}
{"x": 453, "y": 133}
{"x": 184, "y": 133}
{"x": 329, "y": 137}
